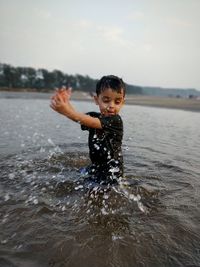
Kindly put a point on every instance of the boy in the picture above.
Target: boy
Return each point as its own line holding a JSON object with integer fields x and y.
{"x": 105, "y": 128}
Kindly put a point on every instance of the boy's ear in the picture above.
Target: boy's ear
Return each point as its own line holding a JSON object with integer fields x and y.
{"x": 96, "y": 100}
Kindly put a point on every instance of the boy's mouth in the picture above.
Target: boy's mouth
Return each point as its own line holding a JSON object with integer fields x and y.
{"x": 110, "y": 112}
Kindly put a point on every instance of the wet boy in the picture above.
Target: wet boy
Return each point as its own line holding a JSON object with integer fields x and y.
{"x": 105, "y": 128}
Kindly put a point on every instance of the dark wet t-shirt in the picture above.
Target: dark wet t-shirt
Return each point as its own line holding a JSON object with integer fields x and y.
{"x": 105, "y": 147}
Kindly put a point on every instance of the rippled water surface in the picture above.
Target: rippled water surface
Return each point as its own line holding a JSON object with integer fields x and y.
{"x": 50, "y": 215}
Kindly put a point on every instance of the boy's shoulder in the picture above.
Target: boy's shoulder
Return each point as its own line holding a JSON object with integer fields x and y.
{"x": 109, "y": 123}
{"x": 112, "y": 123}
{"x": 92, "y": 114}
{"x": 113, "y": 118}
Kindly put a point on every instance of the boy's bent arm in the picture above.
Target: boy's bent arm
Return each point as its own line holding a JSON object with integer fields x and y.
{"x": 66, "y": 109}
{"x": 86, "y": 120}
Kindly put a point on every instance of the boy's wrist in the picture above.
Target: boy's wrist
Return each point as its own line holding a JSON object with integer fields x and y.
{"x": 73, "y": 115}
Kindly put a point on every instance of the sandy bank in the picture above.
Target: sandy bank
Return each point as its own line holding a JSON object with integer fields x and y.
{"x": 151, "y": 101}
{"x": 165, "y": 102}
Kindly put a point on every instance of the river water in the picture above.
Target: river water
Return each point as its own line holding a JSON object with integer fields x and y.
{"x": 50, "y": 215}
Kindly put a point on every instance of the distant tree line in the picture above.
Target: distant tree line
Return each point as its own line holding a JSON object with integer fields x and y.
{"x": 44, "y": 80}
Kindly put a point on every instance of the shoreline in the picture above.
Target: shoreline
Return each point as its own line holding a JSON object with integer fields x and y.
{"x": 141, "y": 100}
{"x": 165, "y": 102}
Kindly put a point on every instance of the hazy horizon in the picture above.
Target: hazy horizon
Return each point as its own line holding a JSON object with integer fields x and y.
{"x": 148, "y": 43}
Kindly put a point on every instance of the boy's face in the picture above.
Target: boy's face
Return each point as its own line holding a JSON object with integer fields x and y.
{"x": 110, "y": 102}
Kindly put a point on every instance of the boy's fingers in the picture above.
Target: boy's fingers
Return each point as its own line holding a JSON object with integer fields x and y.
{"x": 52, "y": 106}
{"x": 69, "y": 89}
{"x": 63, "y": 88}
{"x": 53, "y": 97}
{"x": 53, "y": 102}
{"x": 56, "y": 101}
{"x": 59, "y": 98}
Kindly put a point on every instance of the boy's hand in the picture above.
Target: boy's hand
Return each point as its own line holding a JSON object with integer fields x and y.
{"x": 58, "y": 104}
{"x": 64, "y": 93}
{"x": 60, "y": 101}
{"x": 61, "y": 104}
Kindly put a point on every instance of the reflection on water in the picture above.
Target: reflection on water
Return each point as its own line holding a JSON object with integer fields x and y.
{"x": 51, "y": 215}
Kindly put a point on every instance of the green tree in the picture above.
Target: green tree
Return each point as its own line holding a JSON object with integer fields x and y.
{"x": 59, "y": 78}
{"x": 12, "y": 76}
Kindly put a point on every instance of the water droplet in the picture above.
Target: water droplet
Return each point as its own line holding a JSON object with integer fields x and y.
{"x": 96, "y": 146}
{"x": 103, "y": 211}
{"x": 50, "y": 142}
{"x": 63, "y": 208}
{"x": 35, "y": 201}
{"x": 78, "y": 187}
{"x": 4, "y": 241}
{"x": 7, "y": 197}
{"x": 11, "y": 176}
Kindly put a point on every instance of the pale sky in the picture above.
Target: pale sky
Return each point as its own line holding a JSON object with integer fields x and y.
{"x": 146, "y": 42}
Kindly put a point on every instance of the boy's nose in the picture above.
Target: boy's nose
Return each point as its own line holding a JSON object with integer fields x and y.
{"x": 112, "y": 104}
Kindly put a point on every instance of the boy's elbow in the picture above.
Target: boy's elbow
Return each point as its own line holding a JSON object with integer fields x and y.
{"x": 94, "y": 123}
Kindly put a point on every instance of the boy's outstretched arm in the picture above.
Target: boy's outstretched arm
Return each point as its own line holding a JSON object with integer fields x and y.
{"x": 63, "y": 106}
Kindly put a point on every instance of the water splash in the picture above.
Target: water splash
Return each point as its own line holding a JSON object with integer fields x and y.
{"x": 125, "y": 189}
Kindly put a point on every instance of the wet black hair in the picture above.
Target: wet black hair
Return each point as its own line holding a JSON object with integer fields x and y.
{"x": 110, "y": 81}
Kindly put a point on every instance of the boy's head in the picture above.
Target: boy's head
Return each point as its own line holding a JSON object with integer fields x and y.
{"x": 110, "y": 81}
{"x": 110, "y": 94}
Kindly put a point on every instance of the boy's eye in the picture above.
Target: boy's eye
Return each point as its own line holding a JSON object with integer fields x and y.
{"x": 107, "y": 100}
